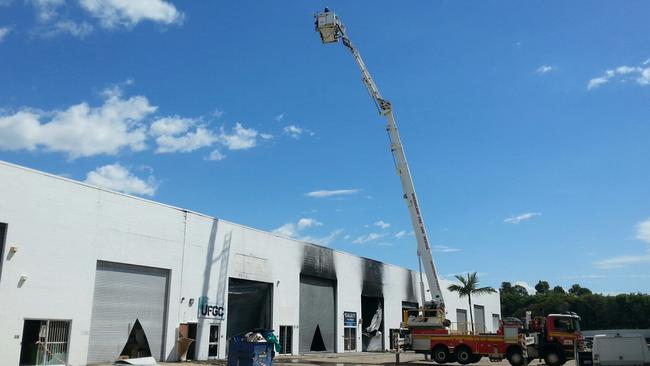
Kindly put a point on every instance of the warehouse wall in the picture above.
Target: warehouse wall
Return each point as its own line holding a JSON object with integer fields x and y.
{"x": 62, "y": 228}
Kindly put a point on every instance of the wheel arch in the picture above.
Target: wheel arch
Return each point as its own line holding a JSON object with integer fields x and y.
{"x": 440, "y": 345}
{"x": 464, "y": 345}
{"x": 514, "y": 347}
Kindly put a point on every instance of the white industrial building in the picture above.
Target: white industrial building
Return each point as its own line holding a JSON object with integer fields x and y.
{"x": 80, "y": 264}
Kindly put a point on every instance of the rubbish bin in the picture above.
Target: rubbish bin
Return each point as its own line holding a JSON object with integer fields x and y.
{"x": 249, "y": 353}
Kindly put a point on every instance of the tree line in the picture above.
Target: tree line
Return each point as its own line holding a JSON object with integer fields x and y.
{"x": 598, "y": 311}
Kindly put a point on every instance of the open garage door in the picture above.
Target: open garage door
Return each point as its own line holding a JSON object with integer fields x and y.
{"x": 249, "y": 305}
{"x": 317, "y": 315}
{"x": 124, "y": 293}
{"x": 372, "y": 314}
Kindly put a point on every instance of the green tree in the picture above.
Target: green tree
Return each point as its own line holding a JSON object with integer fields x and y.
{"x": 558, "y": 290}
{"x": 579, "y": 290}
{"x": 506, "y": 288}
{"x": 542, "y": 287}
{"x": 468, "y": 286}
{"x": 520, "y": 290}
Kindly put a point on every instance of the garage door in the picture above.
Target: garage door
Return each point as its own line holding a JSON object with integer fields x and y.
{"x": 317, "y": 315}
{"x": 124, "y": 293}
{"x": 249, "y": 306}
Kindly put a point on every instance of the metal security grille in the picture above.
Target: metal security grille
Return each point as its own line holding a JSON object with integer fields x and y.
{"x": 52, "y": 342}
{"x": 286, "y": 334}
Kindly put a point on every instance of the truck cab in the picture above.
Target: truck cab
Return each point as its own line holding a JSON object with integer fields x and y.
{"x": 554, "y": 338}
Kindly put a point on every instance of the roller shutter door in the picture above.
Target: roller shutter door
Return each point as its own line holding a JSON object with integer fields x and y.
{"x": 317, "y": 315}
{"x": 124, "y": 293}
{"x": 479, "y": 319}
{"x": 249, "y": 306}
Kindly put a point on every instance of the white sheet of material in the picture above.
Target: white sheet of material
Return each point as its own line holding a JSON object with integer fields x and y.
{"x": 141, "y": 361}
{"x": 375, "y": 323}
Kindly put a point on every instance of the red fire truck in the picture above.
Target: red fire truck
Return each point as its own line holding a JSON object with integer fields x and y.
{"x": 553, "y": 338}
{"x": 550, "y": 338}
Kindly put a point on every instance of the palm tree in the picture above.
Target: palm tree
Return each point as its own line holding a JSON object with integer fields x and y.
{"x": 468, "y": 287}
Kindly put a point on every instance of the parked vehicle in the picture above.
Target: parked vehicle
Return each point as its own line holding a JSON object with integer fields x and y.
{"x": 617, "y": 350}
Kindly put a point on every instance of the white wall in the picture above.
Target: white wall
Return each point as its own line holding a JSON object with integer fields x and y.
{"x": 490, "y": 302}
{"x": 63, "y": 227}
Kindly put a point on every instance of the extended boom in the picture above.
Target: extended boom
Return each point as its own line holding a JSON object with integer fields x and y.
{"x": 331, "y": 30}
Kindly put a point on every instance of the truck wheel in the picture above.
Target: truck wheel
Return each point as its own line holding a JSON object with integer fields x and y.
{"x": 476, "y": 358}
{"x": 554, "y": 358}
{"x": 464, "y": 355}
{"x": 440, "y": 354}
{"x": 515, "y": 357}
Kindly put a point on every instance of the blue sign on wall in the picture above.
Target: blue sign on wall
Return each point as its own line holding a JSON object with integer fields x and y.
{"x": 207, "y": 310}
{"x": 349, "y": 319}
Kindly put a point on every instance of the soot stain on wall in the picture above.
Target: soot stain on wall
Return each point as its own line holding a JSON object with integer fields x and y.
{"x": 373, "y": 278}
{"x": 318, "y": 262}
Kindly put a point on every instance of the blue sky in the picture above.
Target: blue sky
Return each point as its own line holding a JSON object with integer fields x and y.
{"x": 526, "y": 124}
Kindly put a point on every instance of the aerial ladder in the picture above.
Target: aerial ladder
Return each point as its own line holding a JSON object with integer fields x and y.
{"x": 331, "y": 29}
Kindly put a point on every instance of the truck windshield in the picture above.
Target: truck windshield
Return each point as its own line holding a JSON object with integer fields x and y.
{"x": 567, "y": 324}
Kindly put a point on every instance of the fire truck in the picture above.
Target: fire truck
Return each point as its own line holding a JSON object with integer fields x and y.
{"x": 554, "y": 338}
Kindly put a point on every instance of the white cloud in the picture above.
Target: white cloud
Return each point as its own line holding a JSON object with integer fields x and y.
{"x": 545, "y": 69}
{"x": 368, "y": 237}
{"x": 279, "y": 117}
{"x": 332, "y": 193}
{"x": 80, "y": 130}
{"x": 624, "y": 73}
{"x": 288, "y": 229}
{"x": 325, "y": 240}
{"x": 293, "y": 131}
{"x": 241, "y": 138}
{"x": 216, "y": 155}
{"x": 521, "y": 218}
{"x": 304, "y": 223}
{"x": 79, "y": 30}
{"x": 643, "y": 230}
{"x": 622, "y": 261}
{"x": 400, "y": 234}
{"x": 118, "y": 124}
{"x": 292, "y": 229}
{"x": 217, "y": 113}
{"x": 47, "y": 10}
{"x": 173, "y": 134}
{"x": 4, "y": 31}
{"x": 128, "y": 13}
{"x": 444, "y": 249}
{"x": 118, "y": 178}
{"x": 382, "y": 224}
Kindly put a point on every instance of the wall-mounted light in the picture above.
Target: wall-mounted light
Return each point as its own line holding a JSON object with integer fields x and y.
{"x": 277, "y": 283}
{"x": 13, "y": 249}
{"x": 22, "y": 280}
{"x": 182, "y": 299}
{"x": 191, "y": 302}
